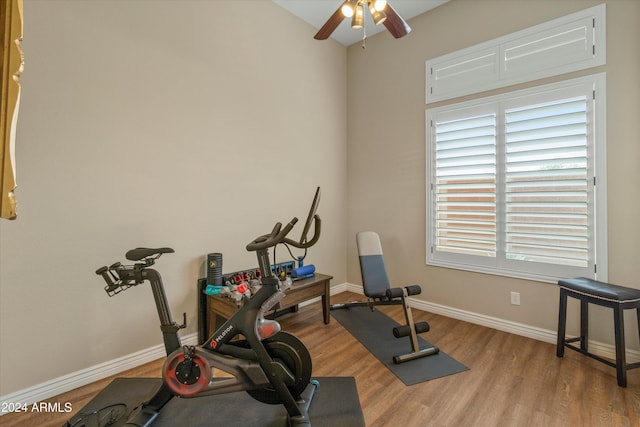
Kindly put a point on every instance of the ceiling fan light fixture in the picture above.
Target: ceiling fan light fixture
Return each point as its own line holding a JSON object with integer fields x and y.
{"x": 379, "y": 5}
{"x": 381, "y": 11}
{"x": 357, "y": 21}
{"x": 348, "y": 8}
{"x": 378, "y": 16}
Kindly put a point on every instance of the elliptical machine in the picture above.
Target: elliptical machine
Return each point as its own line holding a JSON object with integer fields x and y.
{"x": 274, "y": 367}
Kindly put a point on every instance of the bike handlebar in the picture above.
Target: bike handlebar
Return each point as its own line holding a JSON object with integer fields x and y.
{"x": 268, "y": 240}
{"x": 303, "y": 244}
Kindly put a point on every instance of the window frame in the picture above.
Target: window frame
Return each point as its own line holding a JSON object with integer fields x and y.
{"x": 594, "y": 87}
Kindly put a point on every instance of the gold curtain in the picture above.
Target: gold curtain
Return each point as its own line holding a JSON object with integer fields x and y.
{"x": 12, "y": 64}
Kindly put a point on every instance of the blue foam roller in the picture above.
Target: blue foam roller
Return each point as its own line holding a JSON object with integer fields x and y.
{"x": 303, "y": 271}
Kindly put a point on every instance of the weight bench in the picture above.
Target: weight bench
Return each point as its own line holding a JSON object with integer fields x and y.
{"x": 618, "y": 298}
{"x": 378, "y": 291}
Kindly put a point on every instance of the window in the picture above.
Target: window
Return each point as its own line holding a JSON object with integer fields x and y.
{"x": 569, "y": 43}
{"x": 516, "y": 183}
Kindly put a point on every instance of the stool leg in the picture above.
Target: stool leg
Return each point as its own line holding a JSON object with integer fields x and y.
{"x": 621, "y": 359}
{"x": 584, "y": 324}
{"x": 562, "y": 323}
{"x": 638, "y": 316}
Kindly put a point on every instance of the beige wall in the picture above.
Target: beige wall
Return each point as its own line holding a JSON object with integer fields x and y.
{"x": 386, "y": 152}
{"x": 190, "y": 124}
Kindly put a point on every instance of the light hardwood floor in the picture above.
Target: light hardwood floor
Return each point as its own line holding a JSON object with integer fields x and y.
{"x": 512, "y": 381}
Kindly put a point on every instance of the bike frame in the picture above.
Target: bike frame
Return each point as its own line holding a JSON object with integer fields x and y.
{"x": 168, "y": 327}
{"x": 251, "y": 366}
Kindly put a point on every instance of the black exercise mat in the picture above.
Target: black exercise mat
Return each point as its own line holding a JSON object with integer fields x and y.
{"x": 335, "y": 403}
{"x": 374, "y": 330}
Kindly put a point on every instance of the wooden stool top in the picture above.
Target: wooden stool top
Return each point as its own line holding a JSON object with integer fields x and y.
{"x": 601, "y": 290}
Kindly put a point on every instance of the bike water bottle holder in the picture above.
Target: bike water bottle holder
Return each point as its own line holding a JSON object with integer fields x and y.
{"x": 120, "y": 278}
{"x": 111, "y": 291}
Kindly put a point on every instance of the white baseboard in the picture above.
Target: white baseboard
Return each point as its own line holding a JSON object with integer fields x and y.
{"x": 56, "y": 386}
{"x": 540, "y": 334}
{"x": 86, "y": 376}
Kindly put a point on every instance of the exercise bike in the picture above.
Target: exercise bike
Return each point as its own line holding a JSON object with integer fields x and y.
{"x": 272, "y": 366}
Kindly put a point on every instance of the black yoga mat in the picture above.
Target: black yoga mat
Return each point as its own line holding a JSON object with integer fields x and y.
{"x": 374, "y": 330}
{"x": 335, "y": 403}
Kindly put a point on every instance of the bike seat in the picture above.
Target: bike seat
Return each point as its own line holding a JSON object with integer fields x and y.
{"x": 140, "y": 253}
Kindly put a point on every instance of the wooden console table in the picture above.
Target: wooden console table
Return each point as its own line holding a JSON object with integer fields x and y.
{"x": 219, "y": 309}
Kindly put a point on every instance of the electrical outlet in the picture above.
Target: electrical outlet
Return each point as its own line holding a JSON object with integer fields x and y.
{"x": 515, "y": 298}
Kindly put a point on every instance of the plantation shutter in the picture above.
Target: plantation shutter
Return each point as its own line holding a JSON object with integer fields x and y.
{"x": 546, "y": 183}
{"x": 465, "y": 190}
{"x": 512, "y": 183}
{"x": 570, "y": 43}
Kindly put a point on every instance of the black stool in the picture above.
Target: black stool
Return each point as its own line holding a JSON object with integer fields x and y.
{"x": 591, "y": 291}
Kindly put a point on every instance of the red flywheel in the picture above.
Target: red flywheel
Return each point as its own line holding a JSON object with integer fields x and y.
{"x": 186, "y": 377}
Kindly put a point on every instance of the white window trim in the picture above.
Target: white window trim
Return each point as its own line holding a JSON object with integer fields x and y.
{"x": 599, "y": 163}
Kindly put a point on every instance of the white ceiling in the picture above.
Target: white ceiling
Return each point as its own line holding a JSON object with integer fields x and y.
{"x": 316, "y": 13}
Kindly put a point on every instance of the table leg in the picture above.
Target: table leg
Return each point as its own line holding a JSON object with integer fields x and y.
{"x": 326, "y": 303}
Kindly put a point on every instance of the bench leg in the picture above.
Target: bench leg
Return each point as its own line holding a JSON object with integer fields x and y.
{"x": 562, "y": 323}
{"x": 621, "y": 359}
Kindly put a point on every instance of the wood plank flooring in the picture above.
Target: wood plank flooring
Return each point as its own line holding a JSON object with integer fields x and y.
{"x": 512, "y": 381}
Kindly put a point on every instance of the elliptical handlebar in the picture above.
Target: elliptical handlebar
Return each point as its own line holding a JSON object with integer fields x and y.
{"x": 276, "y": 236}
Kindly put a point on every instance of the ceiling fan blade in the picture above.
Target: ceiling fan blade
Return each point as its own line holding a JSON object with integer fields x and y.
{"x": 394, "y": 23}
{"x": 329, "y": 26}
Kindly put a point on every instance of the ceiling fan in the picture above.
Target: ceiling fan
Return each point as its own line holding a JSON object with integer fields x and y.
{"x": 381, "y": 12}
